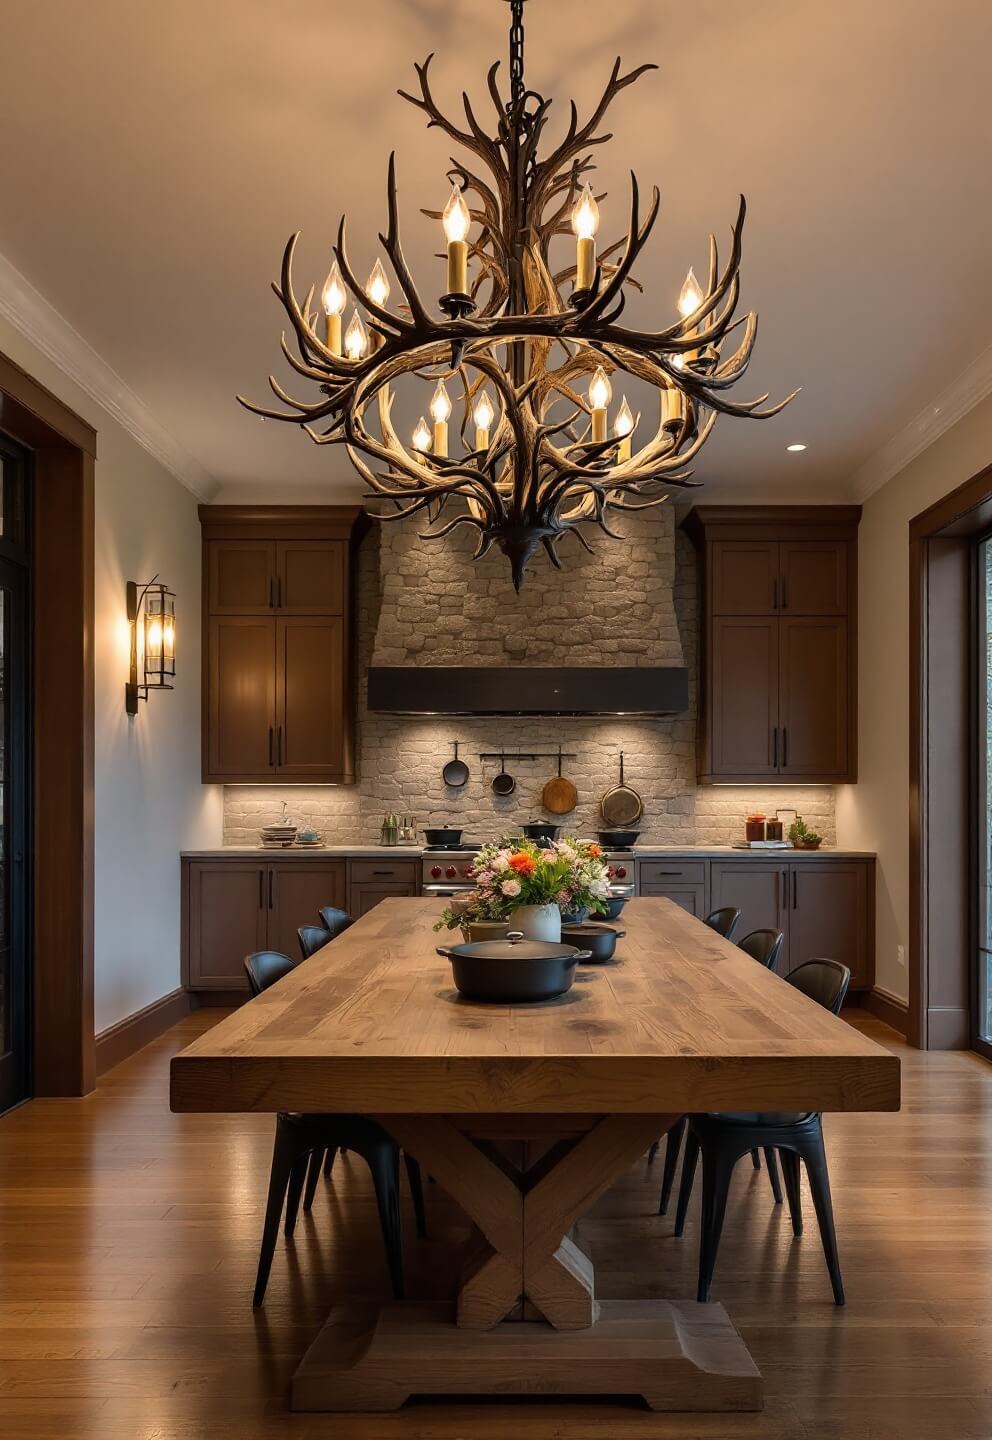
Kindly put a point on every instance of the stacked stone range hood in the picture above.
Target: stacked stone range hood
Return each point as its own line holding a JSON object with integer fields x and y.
{"x": 598, "y": 637}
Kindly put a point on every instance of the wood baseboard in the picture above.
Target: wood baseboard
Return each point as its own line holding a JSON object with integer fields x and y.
{"x": 887, "y": 1008}
{"x": 118, "y": 1042}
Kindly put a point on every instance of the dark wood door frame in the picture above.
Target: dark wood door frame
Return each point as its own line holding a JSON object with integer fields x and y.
{"x": 942, "y": 828}
{"x": 64, "y": 454}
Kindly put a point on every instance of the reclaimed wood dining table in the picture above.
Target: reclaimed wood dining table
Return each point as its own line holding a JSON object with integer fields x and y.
{"x": 526, "y": 1115}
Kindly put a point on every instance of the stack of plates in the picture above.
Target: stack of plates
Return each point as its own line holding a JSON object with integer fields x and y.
{"x": 275, "y": 837}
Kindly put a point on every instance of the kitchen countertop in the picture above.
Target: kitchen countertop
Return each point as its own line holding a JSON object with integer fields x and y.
{"x": 414, "y": 852}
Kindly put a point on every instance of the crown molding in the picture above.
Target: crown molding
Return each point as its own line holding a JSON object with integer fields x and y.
{"x": 32, "y": 316}
{"x": 969, "y": 389}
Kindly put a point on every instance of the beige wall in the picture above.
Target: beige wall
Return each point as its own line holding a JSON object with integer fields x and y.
{"x": 149, "y": 802}
{"x": 874, "y": 814}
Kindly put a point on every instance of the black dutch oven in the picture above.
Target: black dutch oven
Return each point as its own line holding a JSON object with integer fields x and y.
{"x": 541, "y": 832}
{"x": 617, "y": 839}
{"x": 599, "y": 940}
{"x": 514, "y": 970}
{"x": 443, "y": 836}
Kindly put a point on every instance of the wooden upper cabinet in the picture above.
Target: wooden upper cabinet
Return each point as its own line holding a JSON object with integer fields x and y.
{"x": 278, "y": 693}
{"x": 813, "y": 577}
{"x": 745, "y": 577}
{"x": 778, "y": 622}
{"x": 240, "y": 576}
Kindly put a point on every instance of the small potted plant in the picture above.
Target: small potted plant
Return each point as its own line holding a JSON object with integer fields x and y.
{"x": 535, "y": 883}
{"x": 479, "y": 917}
{"x": 802, "y": 837}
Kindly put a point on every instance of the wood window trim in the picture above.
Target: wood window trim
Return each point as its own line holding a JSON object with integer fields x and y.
{"x": 64, "y": 453}
{"x": 962, "y": 515}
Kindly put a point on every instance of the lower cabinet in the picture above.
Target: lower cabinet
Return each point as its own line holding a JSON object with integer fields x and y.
{"x": 232, "y": 907}
{"x": 683, "y": 882}
{"x": 370, "y": 881}
{"x": 825, "y": 908}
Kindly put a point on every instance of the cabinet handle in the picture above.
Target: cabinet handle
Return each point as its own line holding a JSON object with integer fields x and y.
{"x": 785, "y": 602}
{"x": 272, "y": 876}
{"x": 775, "y": 594}
{"x": 271, "y": 743}
{"x": 775, "y": 748}
{"x": 272, "y": 592}
{"x": 784, "y": 902}
{"x": 795, "y": 891}
{"x": 261, "y": 890}
{"x": 669, "y": 874}
{"x": 281, "y": 761}
{"x": 785, "y": 746}
{"x": 278, "y": 592}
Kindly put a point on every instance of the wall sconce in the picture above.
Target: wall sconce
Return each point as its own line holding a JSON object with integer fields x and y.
{"x": 153, "y": 609}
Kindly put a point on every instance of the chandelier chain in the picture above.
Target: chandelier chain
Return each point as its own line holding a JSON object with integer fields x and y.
{"x": 516, "y": 52}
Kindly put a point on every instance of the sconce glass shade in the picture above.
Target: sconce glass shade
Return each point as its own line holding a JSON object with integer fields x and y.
{"x": 160, "y": 637}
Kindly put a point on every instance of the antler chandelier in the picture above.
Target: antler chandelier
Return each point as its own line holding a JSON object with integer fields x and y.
{"x": 538, "y": 460}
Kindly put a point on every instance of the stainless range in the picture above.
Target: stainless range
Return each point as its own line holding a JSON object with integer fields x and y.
{"x": 447, "y": 873}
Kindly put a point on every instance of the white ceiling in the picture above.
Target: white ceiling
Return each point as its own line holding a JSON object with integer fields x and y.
{"x": 155, "y": 158}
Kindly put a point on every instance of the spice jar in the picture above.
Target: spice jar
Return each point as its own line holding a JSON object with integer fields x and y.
{"x": 754, "y": 828}
{"x": 773, "y": 829}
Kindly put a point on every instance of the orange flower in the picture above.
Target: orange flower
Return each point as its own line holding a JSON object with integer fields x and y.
{"x": 523, "y": 864}
{"x": 595, "y": 851}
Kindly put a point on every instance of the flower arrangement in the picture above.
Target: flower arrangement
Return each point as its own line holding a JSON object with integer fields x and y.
{"x": 568, "y": 873}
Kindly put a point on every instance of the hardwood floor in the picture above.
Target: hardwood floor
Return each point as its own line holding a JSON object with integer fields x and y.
{"x": 129, "y": 1238}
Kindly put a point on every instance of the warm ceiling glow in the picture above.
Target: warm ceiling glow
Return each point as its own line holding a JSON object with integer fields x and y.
{"x": 690, "y": 296}
{"x": 600, "y": 389}
{"x": 585, "y": 214}
{"x": 455, "y": 218}
{"x": 795, "y": 448}
{"x": 377, "y": 288}
{"x": 440, "y": 403}
{"x": 333, "y": 294}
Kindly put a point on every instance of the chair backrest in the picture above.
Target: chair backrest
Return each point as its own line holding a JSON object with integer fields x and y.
{"x": 313, "y": 938}
{"x": 765, "y": 946}
{"x": 335, "y": 920}
{"x": 265, "y": 967}
{"x": 824, "y": 981}
{"x": 724, "y": 921}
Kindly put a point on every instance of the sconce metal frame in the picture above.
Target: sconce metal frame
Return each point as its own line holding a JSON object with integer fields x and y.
{"x": 137, "y": 606}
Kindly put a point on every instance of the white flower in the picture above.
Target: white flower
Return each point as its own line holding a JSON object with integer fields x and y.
{"x": 549, "y": 855}
{"x": 501, "y": 861}
{"x": 510, "y": 887}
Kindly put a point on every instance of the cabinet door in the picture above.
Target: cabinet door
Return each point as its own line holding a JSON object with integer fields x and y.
{"x": 310, "y": 577}
{"x": 311, "y": 699}
{"x": 690, "y": 897}
{"x": 759, "y": 890}
{"x": 830, "y": 916}
{"x": 813, "y": 577}
{"x": 364, "y": 895}
{"x": 295, "y": 891}
{"x": 227, "y": 921}
{"x": 743, "y": 714}
{"x": 745, "y": 577}
{"x": 241, "y": 576}
{"x": 813, "y": 698}
{"x": 241, "y": 698}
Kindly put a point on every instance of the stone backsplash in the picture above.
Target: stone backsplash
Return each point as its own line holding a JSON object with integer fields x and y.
{"x": 630, "y": 602}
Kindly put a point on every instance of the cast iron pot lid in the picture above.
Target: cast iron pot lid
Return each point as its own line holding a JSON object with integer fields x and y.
{"x": 514, "y": 947}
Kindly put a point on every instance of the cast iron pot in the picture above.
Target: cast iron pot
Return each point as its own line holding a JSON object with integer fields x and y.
{"x": 613, "y": 839}
{"x": 541, "y": 832}
{"x": 614, "y": 906}
{"x": 599, "y": 941}
{"x": 513, "y": 970}
{"x": 444, "y": 836}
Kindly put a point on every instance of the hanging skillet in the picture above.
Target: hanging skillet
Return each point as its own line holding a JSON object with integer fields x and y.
{"x": 621, "y": 805}
{"x": 503, "y": 784}
{"x": 455, "y": 773}
{"x": 559, "y": 795}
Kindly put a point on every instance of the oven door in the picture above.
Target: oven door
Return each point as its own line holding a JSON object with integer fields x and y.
{"x": 444, "y": 891}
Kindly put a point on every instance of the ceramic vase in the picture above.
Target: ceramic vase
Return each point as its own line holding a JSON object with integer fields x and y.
{"x": 538, "y": 922}
{"x": 476, "y": 930}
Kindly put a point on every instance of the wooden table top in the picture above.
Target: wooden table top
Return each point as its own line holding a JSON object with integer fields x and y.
{"x": 680, "y": 1021}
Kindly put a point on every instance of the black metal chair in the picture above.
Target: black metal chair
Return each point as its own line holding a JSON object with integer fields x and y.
{"x": 724, "y": 921}
{"x": 313, "y": 938}
{"x": 723, "y": 1139}
{"x": 337, "y": 921}
{"x": 765, "y": 946}
{"x": 301, "y": 1142}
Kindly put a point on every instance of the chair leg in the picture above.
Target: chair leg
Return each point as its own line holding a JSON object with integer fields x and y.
{"x": 673, "y": 1144}
{"x": 297, "y": 1176}
{"x": 329, "y": 1161}
{"x": 685, "y": 1185}
{"x": 313, "y": 1175}
{"x": 284, "y": 1152}
{"x": 756, "y": 1159}
{"x": 416, "y": 1193}
{"x": 655, "y": 1147}
{"x": 819, "y": 1183}
{"x": 384, "y": 1164}
{"x": 718, "y": 1167}
{"x": 790, "y": 1177}
{"x": 772, "y": 1164}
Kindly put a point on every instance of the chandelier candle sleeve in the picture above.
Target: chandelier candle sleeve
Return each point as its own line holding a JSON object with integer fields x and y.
{"x": 356, "y": 338}
{"x": 600, "y": 394}
{"x": 456, "y": 221}
{"x": 377, "y": 290}
{"x": 440, "y": 411}
{"x": 333, "y": 297}
{"x": 690, "y": 299}
{"x": 483, "y": 415}
{"x": 585, "y": 223}
{"x": 623, "y": 427}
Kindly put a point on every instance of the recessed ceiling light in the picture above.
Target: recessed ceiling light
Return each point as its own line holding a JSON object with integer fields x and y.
{"x": 795, "y": 448}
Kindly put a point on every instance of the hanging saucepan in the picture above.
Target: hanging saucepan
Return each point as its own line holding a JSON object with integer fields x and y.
{"x": 621, "y": 806}
{"x": 503, "y": 784}
{"x": 455, "y": 773}
{"x": 559, "y": 795}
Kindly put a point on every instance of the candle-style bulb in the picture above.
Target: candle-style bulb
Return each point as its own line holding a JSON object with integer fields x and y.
{"x": 690, "y": 296}
{"x": 483, "y": 414}
{"x": 333, "y": 294}
{"x": 455, "y": 218}
{"x": 422, "y": 435}
{"x": 624, "y": 423}
{"x": 585, "y": 214}
{"x": 356, "y": 337}
{"x": 600, "y": 389}
{"x": 377, "y": 288}
{"x": 440, "y": 403}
